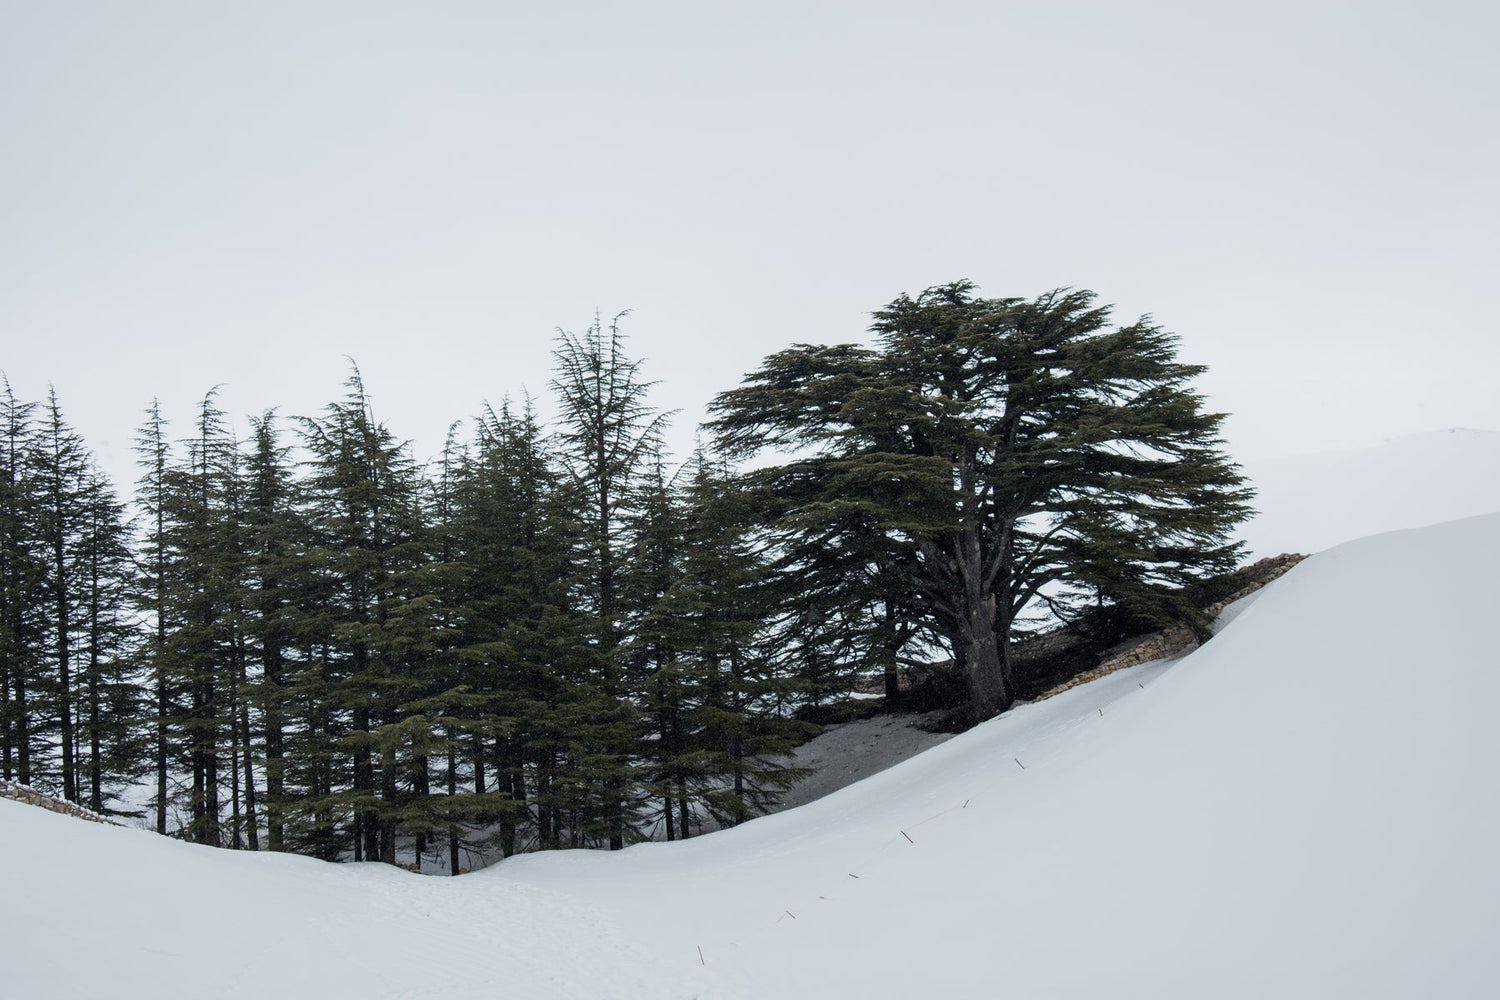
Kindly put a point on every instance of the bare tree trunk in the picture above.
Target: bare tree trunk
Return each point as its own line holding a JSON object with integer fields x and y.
{"x": 23, "y": 733}
{"x": 64, "y": 664}
{"x": 275, "y": 747}
{"x": 388, "y": 796}
{"x": 161, "y": 744}
{"x": 251, "y": 819}
{"x": 682, "y": 807}
{"x": 452, "y": 795}
{"x": 515, "y": 787}
{"x": 478, "y": 766}
{"x": 96, "y": 749}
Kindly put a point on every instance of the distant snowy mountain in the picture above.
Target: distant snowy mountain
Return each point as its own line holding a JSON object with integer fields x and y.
{"x": 1304, "y": 807}
{"x": 1309, "y": 502}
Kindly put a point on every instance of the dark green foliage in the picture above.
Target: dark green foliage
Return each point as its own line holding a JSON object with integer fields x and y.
{"x": 1029, "y": 455}
{"x": 67, "y": 632}
{"x": 608, "y": 435}
{"x": 551, "y": 640}
{"x": 276, "y": 576}
{"x": 153, "y": 454}
{"x": 22, "y": 593}
{"x": 367, "y": 538}
{"x": 512, "y": 563}
{"x": 111, "y": 741}
{"x": 200, "y": 659}
{"x": 721, "y": 612}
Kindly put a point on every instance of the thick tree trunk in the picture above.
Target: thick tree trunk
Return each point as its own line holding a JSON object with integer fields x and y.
{"x": 366, "y": 831}
{"x": 213, "y": 835}
{"x": 452, "y": 797}
{"x": 238, "y": 740}
{"x": 990, "y": 692}
{"x": 889, "y": 643}
{"x": 96, "y": 748}
{"x": 983, "y": 661}
{"x": 275, "y": 747}
{"x": 252, "y": 821}
{"x": 421, "y": 785}
{"x": 161, "y": 747}
{"x": 5, "y": 735}
{"x": 236, "y": 817}
{"x": 515, "y": 789}
{"x": 64, "y": 665}
{"x": 23, "y": 733}
{"x": 479, "y": 782}
{"x": 388, "y": 796}
{"x": 203, "y": 747}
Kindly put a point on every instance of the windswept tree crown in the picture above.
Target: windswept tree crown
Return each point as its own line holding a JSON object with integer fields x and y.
{"x": 1025, "y": 455}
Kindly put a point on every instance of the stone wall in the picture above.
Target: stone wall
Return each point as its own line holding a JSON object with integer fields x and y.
{"x": 25, "y": 793}
{"x": 1179, "y": 639}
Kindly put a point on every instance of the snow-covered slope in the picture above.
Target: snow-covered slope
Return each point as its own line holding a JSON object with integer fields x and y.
{"x": 1305, "y": 807}
{"x": 1309, "y": 502}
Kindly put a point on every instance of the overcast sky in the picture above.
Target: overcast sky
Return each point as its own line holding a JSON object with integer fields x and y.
{"x": 199, "y": 193}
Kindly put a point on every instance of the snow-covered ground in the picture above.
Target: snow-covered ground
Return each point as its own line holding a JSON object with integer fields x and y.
{"x": 1304, "y": 807}
{"x": 852, "y": 751}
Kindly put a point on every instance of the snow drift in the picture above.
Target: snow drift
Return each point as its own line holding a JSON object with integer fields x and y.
{"x": 1303, "y": 807}
{"x": 1310, "y": 502}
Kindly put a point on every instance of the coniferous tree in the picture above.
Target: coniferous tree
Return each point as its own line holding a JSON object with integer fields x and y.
{"x": 110, "y": 739}
{"x": 474, "y": 520}
{"x": 557, "y": 643}
{"x": 154, "y": 458}
{"x": 61, "y": 464}
{"x": 1017, "y": 446}
{"x": 22, "y": 597}
{"x": 608, "y": 433}
{"x": 365, "y": 521}
{"x": 659, "y": 530}
{"x": 200, "y": 656}
{"x": 725, "y": 613}
{"x": 520, "y": 635}
{"x": 274, "y": 543}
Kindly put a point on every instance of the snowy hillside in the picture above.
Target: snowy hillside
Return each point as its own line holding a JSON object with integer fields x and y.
{"x": 1309, "y": 502}
{"x": 1305, "y": 807}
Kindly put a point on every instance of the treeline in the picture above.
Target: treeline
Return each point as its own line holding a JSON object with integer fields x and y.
{"x": 305, "y": 641}
{"x": 554, "y": 637}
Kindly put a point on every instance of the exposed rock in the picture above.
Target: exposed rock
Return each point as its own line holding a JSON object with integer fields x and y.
{"x": 25, "y": 793}
{"x": 1179, "y": 639}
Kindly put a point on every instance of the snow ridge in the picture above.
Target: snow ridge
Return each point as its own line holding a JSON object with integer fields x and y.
{"x": 1303, "y": 807}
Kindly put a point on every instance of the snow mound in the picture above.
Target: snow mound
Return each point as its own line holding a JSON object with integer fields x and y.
{"x": 1304, "y": 807}
{"x": 1310, "y": 502}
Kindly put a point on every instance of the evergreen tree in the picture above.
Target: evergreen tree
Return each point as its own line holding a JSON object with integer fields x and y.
{"x": 608, "y": 432}
{"x": 521, "y": 637}
{"x": 842, "y": 584}
{"x": 111, "y": 743}
{"x": 22, "y": 597}
{"x": 154, "y": 458}
{"x": 366, "y": 526}
{"x": 659, "y": 529}
{"x": 202, "y": 645}
{"x": 1018, "y": 447}
{"x": 275, "y": 541}
{"x": 724, "y": 612}
{"x": 61, "y": 464}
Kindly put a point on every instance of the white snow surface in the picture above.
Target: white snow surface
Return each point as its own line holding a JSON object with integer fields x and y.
{"x": 1304, "y": 807}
